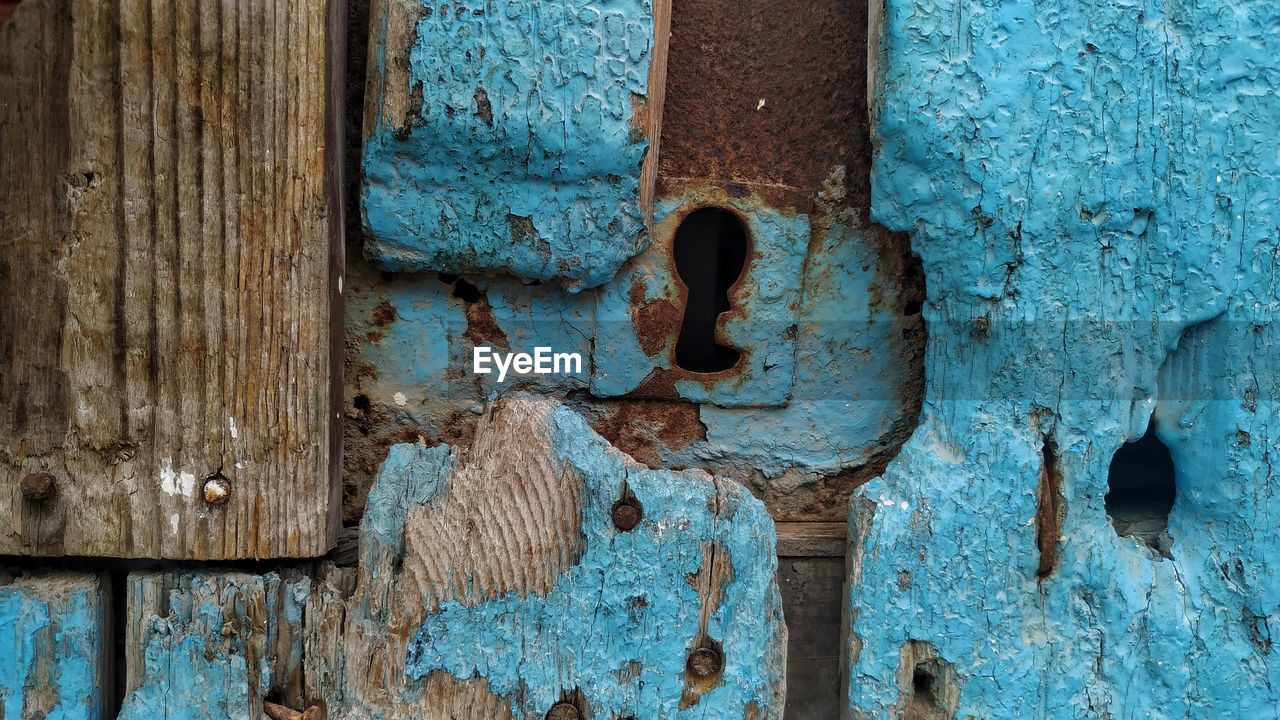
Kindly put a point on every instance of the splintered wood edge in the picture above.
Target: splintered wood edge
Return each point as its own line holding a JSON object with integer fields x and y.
{"x": 335, "y": 148}
{"x": 657, "y": 92}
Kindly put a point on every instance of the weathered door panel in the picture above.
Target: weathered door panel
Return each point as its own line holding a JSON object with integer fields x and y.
{"x": 1092, "y": 188}
{"x": 168, "y": 214}
{"x": 54, "y": 646}
{"x": 513, "y": 136}
{"x": 536, "y": 573}
{"x": 210, "y": 644}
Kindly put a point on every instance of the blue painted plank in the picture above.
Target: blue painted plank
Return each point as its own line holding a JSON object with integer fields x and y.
{"x": 206, "y": 645}
{"x": 1092, "y": 188}
{"x": 510, "y": 136}
{"x": 53, "y": 647}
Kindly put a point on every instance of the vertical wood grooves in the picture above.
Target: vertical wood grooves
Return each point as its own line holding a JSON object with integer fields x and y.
{"x": 186, "y": 219}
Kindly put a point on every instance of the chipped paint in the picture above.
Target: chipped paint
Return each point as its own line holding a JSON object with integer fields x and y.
{"x": 761, "y": 322}
{"x": 635, "y": 586}
{"x": 1091, "y": 188}
{"x": 176, "y": 482}
{"x": 52, "y": 647}
{"x": 853, "y": 360}
{"x": 501, "y": 160}
{"x": 207, "y": 644}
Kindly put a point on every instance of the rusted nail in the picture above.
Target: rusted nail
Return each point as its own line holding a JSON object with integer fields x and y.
{"x": 564, "y": 711}
{"x": 626, "y": 514}
{"x": 217, "y": 489}
{"x": 276, "y": 711}
{"x": 38, "y": 486}
{"x": 704, "y": 663}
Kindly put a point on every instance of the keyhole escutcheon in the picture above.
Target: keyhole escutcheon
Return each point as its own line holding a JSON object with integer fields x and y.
{"x": 710, "y": 251}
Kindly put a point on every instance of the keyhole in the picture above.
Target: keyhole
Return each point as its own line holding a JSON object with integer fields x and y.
{"x": 710, "y": 249}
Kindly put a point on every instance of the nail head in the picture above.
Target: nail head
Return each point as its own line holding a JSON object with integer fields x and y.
{"x": 217, "y": 490}
{"x": 38, "y": 486}
{"x": 626, "y": 515}
{"x": 704, "y": 663}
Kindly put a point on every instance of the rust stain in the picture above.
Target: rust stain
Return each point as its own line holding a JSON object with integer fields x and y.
{"x": 645, "y": 428}
{"x": 482, "y": 327}
{"x": 384, "y": 313}
{"x": 656, "y": 320}
{"x": 735, "y": 112}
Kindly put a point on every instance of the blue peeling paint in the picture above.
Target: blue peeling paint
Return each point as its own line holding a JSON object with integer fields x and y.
{"x": 1092, "y": 188}
{"x": 851, "y": 368}
{"x": 620, "y": 622}
{"x": 51, "y": 648}
{"x": 762, "y": 321}
{"x": 195, "y": 656}
{"x": 852, "y": 375}
{"x": 522, "y": 154}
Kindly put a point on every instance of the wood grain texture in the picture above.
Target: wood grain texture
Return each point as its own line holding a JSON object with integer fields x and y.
{"x": 493, "y": 583}
{"x": 655, "y": 101}
{"x": 213, "y": 644}
{"x": 168, "y": 206}
{"x": 54, "y": 646}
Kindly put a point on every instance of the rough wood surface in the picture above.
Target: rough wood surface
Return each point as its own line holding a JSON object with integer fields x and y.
{"x": 167, "y": 216}
{"x": 213, "y": 644}
{"x": 54, "y": 645}
{"x": 494, "y": 583}
{"x": 812, "y": 539}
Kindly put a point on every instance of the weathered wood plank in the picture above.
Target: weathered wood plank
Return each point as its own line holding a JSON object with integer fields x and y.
{"x": 1098, "y": 231}
{"x": 496, "y": 582}
{"x": 213, "y": 644}
{"x": 168, "y": 222}
{"x": 513, "y": 137}
{"x": 54, "y": 646}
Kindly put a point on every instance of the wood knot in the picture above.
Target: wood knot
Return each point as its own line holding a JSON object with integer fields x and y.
{"x": 38, "y": 486}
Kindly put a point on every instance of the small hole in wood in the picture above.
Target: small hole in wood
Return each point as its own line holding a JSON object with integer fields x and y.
{"x": 1141, "y": 488}
{"x": 710, "y": 250}
{"x": 922, "y": 684}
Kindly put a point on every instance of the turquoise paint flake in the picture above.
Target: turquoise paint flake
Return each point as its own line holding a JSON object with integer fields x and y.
{"x": 520, "y": 152}
{"x": 1092, "y": 189}
{"x": 195, "y": 655}
{"x": 51, "y": 647}
{"x": 620, "y": 622}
